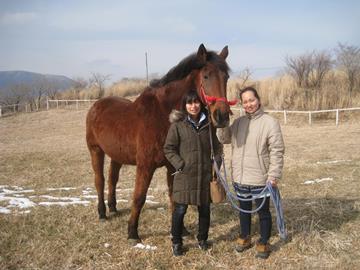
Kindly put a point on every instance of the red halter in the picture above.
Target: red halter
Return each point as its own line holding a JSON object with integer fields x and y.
{"x": 211, "y": 99}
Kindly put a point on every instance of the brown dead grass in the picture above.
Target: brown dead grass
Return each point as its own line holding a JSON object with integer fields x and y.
{"x": 47, "y": 149}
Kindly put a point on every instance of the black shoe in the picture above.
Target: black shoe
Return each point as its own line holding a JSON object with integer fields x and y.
{"x": 204, "y": 245}
{"x": 177, "y": 249}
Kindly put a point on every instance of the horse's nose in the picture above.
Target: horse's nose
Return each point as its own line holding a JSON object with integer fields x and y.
{"x": 221, "y": 118}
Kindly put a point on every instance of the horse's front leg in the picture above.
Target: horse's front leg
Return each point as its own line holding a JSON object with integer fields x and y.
{"x": 144, "y": 173}
{"x": 170, "y": 183}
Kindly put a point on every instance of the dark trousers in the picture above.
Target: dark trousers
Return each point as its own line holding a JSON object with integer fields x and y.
{"x": 265, "y": 220}
{"x": 177, "y": 222}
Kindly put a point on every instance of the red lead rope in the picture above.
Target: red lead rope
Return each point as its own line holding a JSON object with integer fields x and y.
{"x": 210, "y": 99}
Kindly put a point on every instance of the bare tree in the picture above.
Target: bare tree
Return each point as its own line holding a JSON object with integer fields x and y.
{"x": 80, "y": 83}
{"x": 309, "y": 69}
{"x": 348, "y": 60}
{"x": 17, "y": 93}
{"x": 300, "y": 68}
{"x": 244, "y": 77}
{"x": 98, "y": 80}
{"x": 321, "y": 64}
{"x": 40, "y": 89}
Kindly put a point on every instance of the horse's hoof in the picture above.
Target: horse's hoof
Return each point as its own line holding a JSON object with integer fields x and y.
{"x": 102, "y": 219}
{"x": 113, "y": 214}
{"x": 133, "y": 242}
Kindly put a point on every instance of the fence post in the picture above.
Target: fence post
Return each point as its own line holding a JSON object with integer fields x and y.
{"x": 47, "y": 104}
{"x": 57, "y": 104}
{"x": 309, "y": 117}
{"x": 285, "y": 120}
{"x": 14, "y": 108}
{"x": 337, "y": 117}
{"x": 0, "y": 112}
{"x": 77, "y": 104}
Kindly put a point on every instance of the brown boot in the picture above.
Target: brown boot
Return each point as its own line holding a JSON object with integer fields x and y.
{"x": 243, "y": 244}
{"x": 263, "y": 250}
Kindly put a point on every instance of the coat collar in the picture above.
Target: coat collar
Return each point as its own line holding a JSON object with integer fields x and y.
{"x": 256, "y": 115}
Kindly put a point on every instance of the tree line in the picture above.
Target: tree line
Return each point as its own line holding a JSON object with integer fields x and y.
{"x": 310, "y": 69}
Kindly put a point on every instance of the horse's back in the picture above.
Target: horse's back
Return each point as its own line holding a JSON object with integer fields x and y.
{"x": 106, "y": 111}
{"x": 110, "y": 125}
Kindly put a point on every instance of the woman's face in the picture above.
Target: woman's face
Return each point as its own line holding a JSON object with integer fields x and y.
{"x": 193, "y": 108}
{"x": 249, "y": 102}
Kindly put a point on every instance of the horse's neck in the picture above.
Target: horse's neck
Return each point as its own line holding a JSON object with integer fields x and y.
{"x": 170, "y": 95}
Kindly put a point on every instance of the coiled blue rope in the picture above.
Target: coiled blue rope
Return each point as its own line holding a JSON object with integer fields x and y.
{"x": 274, "y": 195}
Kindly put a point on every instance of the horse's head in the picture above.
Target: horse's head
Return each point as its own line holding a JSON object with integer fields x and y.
{"x": 211, "y": 84}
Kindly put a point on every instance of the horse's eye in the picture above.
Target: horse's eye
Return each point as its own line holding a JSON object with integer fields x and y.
{"x": 206, "y": 77}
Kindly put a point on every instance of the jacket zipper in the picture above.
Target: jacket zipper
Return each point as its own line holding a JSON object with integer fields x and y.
{"x": 243, "y": 152}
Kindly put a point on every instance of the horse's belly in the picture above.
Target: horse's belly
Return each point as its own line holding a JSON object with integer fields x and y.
{"x": 120, "y": 152}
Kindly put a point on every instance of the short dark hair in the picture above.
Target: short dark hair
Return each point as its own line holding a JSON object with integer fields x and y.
{"x": 251, "y": 89}
{"x": 190, "y": 97}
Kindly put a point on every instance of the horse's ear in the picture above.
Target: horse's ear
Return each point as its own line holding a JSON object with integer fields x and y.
{"x": 201, "y": 53}
{"x": 225, "y": 52}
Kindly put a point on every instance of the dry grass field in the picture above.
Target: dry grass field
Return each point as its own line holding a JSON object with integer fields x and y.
{"x": 49, "y": 218}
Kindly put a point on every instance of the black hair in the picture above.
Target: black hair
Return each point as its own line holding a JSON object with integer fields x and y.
{"x": 251, "y": 89}
{"x": 190, "y": 97}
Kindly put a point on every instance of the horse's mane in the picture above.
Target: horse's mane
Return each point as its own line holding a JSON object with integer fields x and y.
{"x": 187, "y": 65}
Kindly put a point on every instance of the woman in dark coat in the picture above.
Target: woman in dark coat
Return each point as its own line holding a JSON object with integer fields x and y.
{"x": 188, "y": 149}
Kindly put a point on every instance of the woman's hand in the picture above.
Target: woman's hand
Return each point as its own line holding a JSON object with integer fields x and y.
{"x": 272, "y": 181}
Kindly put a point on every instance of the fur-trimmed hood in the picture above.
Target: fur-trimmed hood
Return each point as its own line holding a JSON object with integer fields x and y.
{"x": 176, "y": 116}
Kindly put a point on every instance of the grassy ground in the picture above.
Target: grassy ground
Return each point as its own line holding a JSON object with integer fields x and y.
{"x": 47, "y": 150}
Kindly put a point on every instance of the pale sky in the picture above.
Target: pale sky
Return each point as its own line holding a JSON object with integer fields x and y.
{"x": 76, "y": 38}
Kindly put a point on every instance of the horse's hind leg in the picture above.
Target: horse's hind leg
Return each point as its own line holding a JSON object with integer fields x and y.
{"x": 97, "y": 161}
{"x": 113, "y": 179}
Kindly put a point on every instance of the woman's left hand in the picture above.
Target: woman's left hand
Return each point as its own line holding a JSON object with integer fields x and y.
{"x": 272, "y": 181}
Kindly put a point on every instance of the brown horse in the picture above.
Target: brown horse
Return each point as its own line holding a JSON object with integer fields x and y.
{"x": 134, "y": 132}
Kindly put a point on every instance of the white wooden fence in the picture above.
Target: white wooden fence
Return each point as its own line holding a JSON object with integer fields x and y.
{"x": 309, "y": 113}
{"x": 77, "y": 102}
{"x": 14, "y": 108}
{"x": 67, "y": 102}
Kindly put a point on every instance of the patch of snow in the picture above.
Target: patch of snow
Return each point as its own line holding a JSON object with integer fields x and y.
{"x": 61, "y": 188}
{"x": 318, "y": 180}
{"x": 60, "y": 198}
{"x": 146, "y": 247}
{"x": 4, "y": 210}
{"x": 89, "y": 196}
{"x": 151, "y": 202}
{"x": 25, "y": 212}
{"x": 19, "y": 191}
{"x": 333, "y": 161}
{"x": 18, "y": 202}
{"x": 64, "y": 203}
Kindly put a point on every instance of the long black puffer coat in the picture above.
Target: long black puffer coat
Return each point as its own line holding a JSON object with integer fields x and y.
{"x": 188, "y": 149}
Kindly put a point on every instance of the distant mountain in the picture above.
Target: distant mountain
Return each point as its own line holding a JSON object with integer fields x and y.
{"x": 32, "y": 79}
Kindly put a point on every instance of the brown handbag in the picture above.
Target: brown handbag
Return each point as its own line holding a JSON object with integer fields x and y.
{"x": 217, "y": 191}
